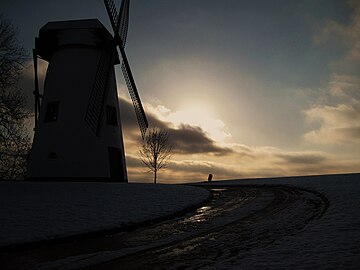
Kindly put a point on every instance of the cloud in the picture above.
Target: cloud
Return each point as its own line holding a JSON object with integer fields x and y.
{"x": 269, "y": 162}
{"x": 129, "y": 121}
{"x": 193, "y": 140}
{"x": 195, "y": 113}
{"x": 346, "y": 34}
{"x": 180, "y": 171}
{"x": 337, "y": 115}
{"x": 302, "y": 158}
{"x": 338, "y": 123}
{"x": 186, "y": 139}
{"x": 196, "y": 154}
{"x": 345, "y": 87}
{"x": 133, "y": 161}
{"x": 204, "y": 168}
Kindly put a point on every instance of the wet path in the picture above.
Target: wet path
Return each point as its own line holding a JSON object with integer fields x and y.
{"x": 237, "y": 219}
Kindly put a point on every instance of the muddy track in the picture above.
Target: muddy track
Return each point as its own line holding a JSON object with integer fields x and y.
{"x": 235, "y": 221}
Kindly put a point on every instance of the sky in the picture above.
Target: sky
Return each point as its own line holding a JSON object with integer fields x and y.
{"x": 245, "y": 88}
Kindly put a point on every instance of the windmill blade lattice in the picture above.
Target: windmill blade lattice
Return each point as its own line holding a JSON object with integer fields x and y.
{"x": 139, "y": 110}
{"x": 120, "y": 24}
{"x": 123, "y": 21}
{"x": 119, "y": 21}
{"x": 113, "y": 14}
{"x": 98, "y": 93}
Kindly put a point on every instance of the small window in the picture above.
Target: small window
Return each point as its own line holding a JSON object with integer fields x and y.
{"x": 111, "y": 116}
{"x": 51, "y": 113}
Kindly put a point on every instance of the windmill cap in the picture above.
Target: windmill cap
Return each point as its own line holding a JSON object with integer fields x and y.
{"x": 90, "y": 32}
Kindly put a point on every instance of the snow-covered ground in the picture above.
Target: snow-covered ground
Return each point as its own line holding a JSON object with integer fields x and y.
{"x": 36, "y": 211}
{"x": 331, "y": 242}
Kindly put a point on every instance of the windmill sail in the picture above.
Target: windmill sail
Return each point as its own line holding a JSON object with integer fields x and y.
{"x": 119, "y": 22}
{"x": 139, "y": 110}
{"x": 123, "y": 21}
{"x": 113, "y": 14}
{"x": 120, "y": 26}
{"x": 36, "y": 90}
{"x": 97, "y": 96}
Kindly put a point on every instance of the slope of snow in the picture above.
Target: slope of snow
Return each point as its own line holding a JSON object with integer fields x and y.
{"x": 36, "y": 211}
{"x": 331, "y": 242}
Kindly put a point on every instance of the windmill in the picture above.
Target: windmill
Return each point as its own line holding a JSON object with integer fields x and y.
{"x": 77, "y": 118}
{"x": 120, "y": 22}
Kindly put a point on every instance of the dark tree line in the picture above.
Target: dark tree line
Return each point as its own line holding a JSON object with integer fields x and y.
{"x": 14, "y": 137}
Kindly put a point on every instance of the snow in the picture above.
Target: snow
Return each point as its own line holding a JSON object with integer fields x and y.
{"x": 331, "y": 242}
{"x": 37, "y": 211}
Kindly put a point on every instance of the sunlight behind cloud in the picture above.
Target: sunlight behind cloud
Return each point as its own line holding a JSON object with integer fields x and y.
{"x": 197, "y": 115}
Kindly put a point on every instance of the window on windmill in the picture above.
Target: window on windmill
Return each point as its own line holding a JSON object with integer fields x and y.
{"x": 52, "y": 110}
{"x": 111, "y": 116}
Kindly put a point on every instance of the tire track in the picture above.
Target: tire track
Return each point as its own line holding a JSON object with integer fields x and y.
{"x": 288, "y": 213}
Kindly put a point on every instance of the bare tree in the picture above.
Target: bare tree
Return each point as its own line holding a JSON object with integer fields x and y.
{"x": 14, "y": 138}
{"x": 156, "y": 150}
{"x": 12, "y": 55}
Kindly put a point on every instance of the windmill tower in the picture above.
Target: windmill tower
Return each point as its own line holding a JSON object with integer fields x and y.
{"x": 77, "y": 127}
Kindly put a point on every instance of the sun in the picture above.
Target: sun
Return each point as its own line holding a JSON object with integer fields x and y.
{"x": 200, "y": 116}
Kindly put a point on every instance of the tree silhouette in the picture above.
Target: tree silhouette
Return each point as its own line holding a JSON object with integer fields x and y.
{"x": 156, "y": 150}
{"x": 14, "y": 138}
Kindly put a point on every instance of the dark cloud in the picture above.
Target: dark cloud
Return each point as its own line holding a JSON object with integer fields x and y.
{"x": 204, "y": 168}
{"x": 186, "y": 139}
{"x": 193, "y": 140}
{"x": 350, "y": 133}
{"x": 182, "y": 170}
{"x": 301, "y": 158}
{"x": 133, "y": 162}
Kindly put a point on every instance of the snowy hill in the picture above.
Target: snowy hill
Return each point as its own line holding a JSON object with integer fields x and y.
{"x": 331, "y": 242}
{"x": 280, "y": 223}
{"x": 36, "y": 211}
